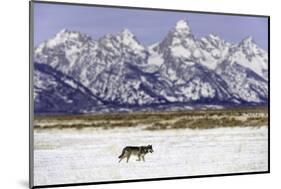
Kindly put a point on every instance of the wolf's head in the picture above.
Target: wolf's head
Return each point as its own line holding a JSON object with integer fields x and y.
{"x": 149, "y": 148}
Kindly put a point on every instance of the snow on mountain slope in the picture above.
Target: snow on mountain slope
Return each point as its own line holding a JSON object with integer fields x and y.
{"x": 57, "y": 93}
{"x": 125, "y": 84}
{"x": 214, "y": 50}
{"x": 249, "y": 55}
{"x": 195, "y": 83}
{"x": 243, "y": 83}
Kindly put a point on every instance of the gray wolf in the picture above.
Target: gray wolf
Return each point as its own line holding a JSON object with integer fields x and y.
{"x": 139, "y": 151}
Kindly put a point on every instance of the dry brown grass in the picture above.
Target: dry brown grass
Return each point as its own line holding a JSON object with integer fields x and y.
{"x": 193, "y": 119}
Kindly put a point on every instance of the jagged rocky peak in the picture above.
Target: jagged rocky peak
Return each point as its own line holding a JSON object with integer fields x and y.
{"x": 126, "y": 33}
{"x": 129, "y": 39}
{"x": 213, "y": 41}
{"x": 214, "y": 37}
{"x": 107, "y": 38}
{"x": 248, "y": 54}
{"x": 71, "y": 34}
{"x": 66, "y": 35}
{"x": 181, "y": 31}
{"x": 124, "y": 38}
{"x": 178, "y": 39}
{"x": 63, "y": 31}
{"x": 247, "y": 40}
{"x": 182, "y": 26}
{"x": 249, "y": 45}
{"x": 62, "y": 44}
{"x": 251, "y": 49}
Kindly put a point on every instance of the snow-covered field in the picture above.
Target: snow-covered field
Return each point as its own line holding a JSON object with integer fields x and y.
{"x": 91, "y": 155}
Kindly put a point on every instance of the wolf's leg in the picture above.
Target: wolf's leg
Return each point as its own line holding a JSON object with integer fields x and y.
{"x": 128, "y": 157}
{"x": 139, "y": 157}
{"x": 143, "y": 158}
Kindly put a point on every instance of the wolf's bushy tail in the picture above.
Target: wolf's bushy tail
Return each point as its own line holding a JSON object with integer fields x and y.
{"x": 123, "y": 152}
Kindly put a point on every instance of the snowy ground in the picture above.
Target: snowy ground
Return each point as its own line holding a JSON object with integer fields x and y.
{"x": 91, "y": 155}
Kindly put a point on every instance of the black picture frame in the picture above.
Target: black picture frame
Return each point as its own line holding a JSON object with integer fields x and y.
{"x": 31, "y": 47}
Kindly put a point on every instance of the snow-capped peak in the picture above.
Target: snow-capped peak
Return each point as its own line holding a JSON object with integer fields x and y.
{"x": 62, "y": 31}
{"x": 66, "y": 33}
{"x": 248, "y": 40}
{"x": 182, "y": 25}
{"x": 214, "y": 37}
{"x": 248, "y": 54}
{"x": 249, "y": 44}
{"x": 129, "y": 39}
{"x": 250, "y": 48}
{"x": 127, "y": 33}
{"x": 214, "y": 41}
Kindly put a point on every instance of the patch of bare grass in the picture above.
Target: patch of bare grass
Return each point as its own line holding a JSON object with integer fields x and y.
{"x": 193, "y": 119}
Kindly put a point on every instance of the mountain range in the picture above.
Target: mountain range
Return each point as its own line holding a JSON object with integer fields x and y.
{"x": 74, "y": 73}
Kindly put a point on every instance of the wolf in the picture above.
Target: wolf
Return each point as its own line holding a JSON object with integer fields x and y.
{"x": 139, "y": 151}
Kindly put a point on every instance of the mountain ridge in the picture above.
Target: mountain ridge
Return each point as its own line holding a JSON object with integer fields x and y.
{"x": 121, "y": 72}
